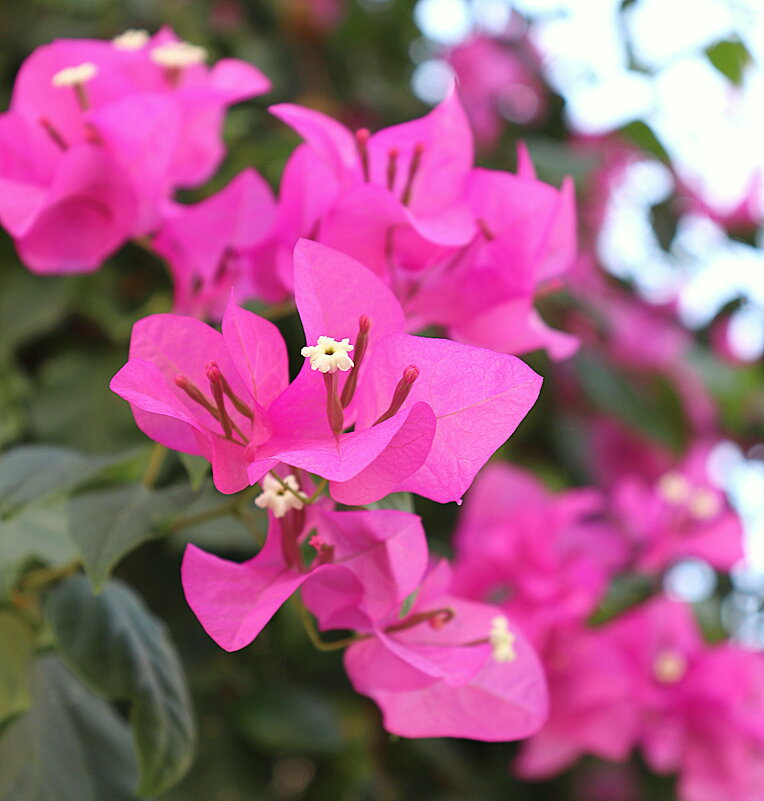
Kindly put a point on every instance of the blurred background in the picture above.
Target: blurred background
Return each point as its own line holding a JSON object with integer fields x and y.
{"x": 656, "y": 108}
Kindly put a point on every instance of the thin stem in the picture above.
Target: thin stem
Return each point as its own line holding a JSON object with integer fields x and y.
{"x": 36, "y": 579}
{"x": 312, "y": 632}
{"x": 154, "y": 466}
{"x": 299, "y": 495}
{"x": 317, "y": 492}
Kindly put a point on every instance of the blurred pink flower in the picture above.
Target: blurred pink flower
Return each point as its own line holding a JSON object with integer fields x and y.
{"x": 499, "y": 82}
{"x": 87, "y": 164}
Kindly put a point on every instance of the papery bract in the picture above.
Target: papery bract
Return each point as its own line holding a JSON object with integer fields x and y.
{"x": 364, "y": 559}
{"x": 435, "y": 673}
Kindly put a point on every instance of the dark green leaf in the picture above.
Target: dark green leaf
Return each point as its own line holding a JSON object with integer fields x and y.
{"x": 107, "y": 524}
{"x": 70, "y": 746}
{"x": 32, "y": 472}
{"x": 123, "y": 651}
{"x": 16, "y": 651}
{"x": 36, "y": 534}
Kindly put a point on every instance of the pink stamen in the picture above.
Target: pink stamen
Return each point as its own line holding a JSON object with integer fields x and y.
{"x": 241, "y": 407}
{"x": 437, "y": 618}
{"x": 401, "y": 392}
{"x": 195, "y": 394}
{"x": 362, "y": 143}
{"x": 485, "y": 230}
{"x": 361, "y": 342}
{"x": 333, "y": 406}
{"x": 416, "y": 160}
{"x": 392, "y": 167}
{"x": 214, "y": 376}
{"x": 53, "y": 133}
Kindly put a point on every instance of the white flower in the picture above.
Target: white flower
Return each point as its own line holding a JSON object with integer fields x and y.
{"x": 669, "y": 666}
{"x": 75, "y": 76}
{"x": 704, "y": 504}
{"x": 328, "y": 355}
{"x": 674, "y": 487}
{"x": 276, "y": 497}
{"x": 502, "y": 640}
{"x": 131, "y": 39}
{"x": 176, "y": 55}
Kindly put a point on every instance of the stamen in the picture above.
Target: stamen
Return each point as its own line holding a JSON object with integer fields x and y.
{"x": 502, "y": 640}
{"x": 328, "y": 355}
{"x": 131, "y": 39}
{"x": 485, "y": 230}
{"x": 177, "y": 56}
{"x": 333, "y": 405}
{"x": 437, "y": 618}
{"x": 361, "y": 342}
{"x": 669, "y": 666}
{"x": 215, "y": 378}
{"x": 53, "y": 133}
{"x": 195, "y": 394}
{"x": 362, "y": 143}
{"x": 401, "y": 392}
{"x": 392, "y": 167}
{"x": 276, "y": 497}
{"x": 241, "y": 407}
{"x": 76, "y": 78}
{"x": 416, "y": 159}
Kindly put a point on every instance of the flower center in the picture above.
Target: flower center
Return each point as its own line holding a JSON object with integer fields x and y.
{"x": 277, "y": 497}
{"x": 328, "y": 355}
{"x": 669, "y": 666}
{"x": 75, "y": 78}
{"x": 178, "y": 55}
{"x": 502, "y": 640}
{"x": 131, "y": 39}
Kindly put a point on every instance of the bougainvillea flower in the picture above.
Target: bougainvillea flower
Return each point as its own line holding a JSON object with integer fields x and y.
{"x": 66, "y": 211}
{"x": 465, "y": 248}
{"x": 499, "y": 82}
{"x": 701, "y": 706}
{"x": 80, "y": 91}
{"x": 546, "y": 558}
{"x": 681, "y": 514}
{"x": 364, "y": 561}
{"x": 427, "y": 413}
{"x": 448, "y": 668}
{"x": 206, "y": 244}
{"x": 591, "y": 704}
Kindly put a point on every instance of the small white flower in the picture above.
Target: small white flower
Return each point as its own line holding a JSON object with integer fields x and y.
{"x": 674, "y": 487}
{"x": 502, "y": 640}
{"x": 328, "y": 355}
{"x": 704, "y": 504}
{"x": 75, "y": 76}
{"x": 178, "y": 55}
{"x": 669, "y": 666}
{"x": 131, "y": 39}
{"x": 276, "y": 497}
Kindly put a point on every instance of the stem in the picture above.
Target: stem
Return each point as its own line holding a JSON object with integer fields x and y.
{"x": 312, "y": 631}
{"x": 317, "y": 493}
{"x": 299, "y": 495}
{"x": 36, "y": 579}
{"x": 154, "y": 466}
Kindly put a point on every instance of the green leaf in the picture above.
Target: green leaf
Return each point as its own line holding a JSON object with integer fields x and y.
{"x": 109, "y": 523}
{"x": 70, "y": 746}
{"x": 197, "y": 467}
{"x": 124, "y": 652}
{"x": 36, "y": 534}
{"x": 33, "y": 472}
{"x": 16, "y": 652}
{"x": 730, "y": 58}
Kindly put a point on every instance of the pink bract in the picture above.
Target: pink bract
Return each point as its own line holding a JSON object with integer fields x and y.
{"x": 463, "y": 404}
